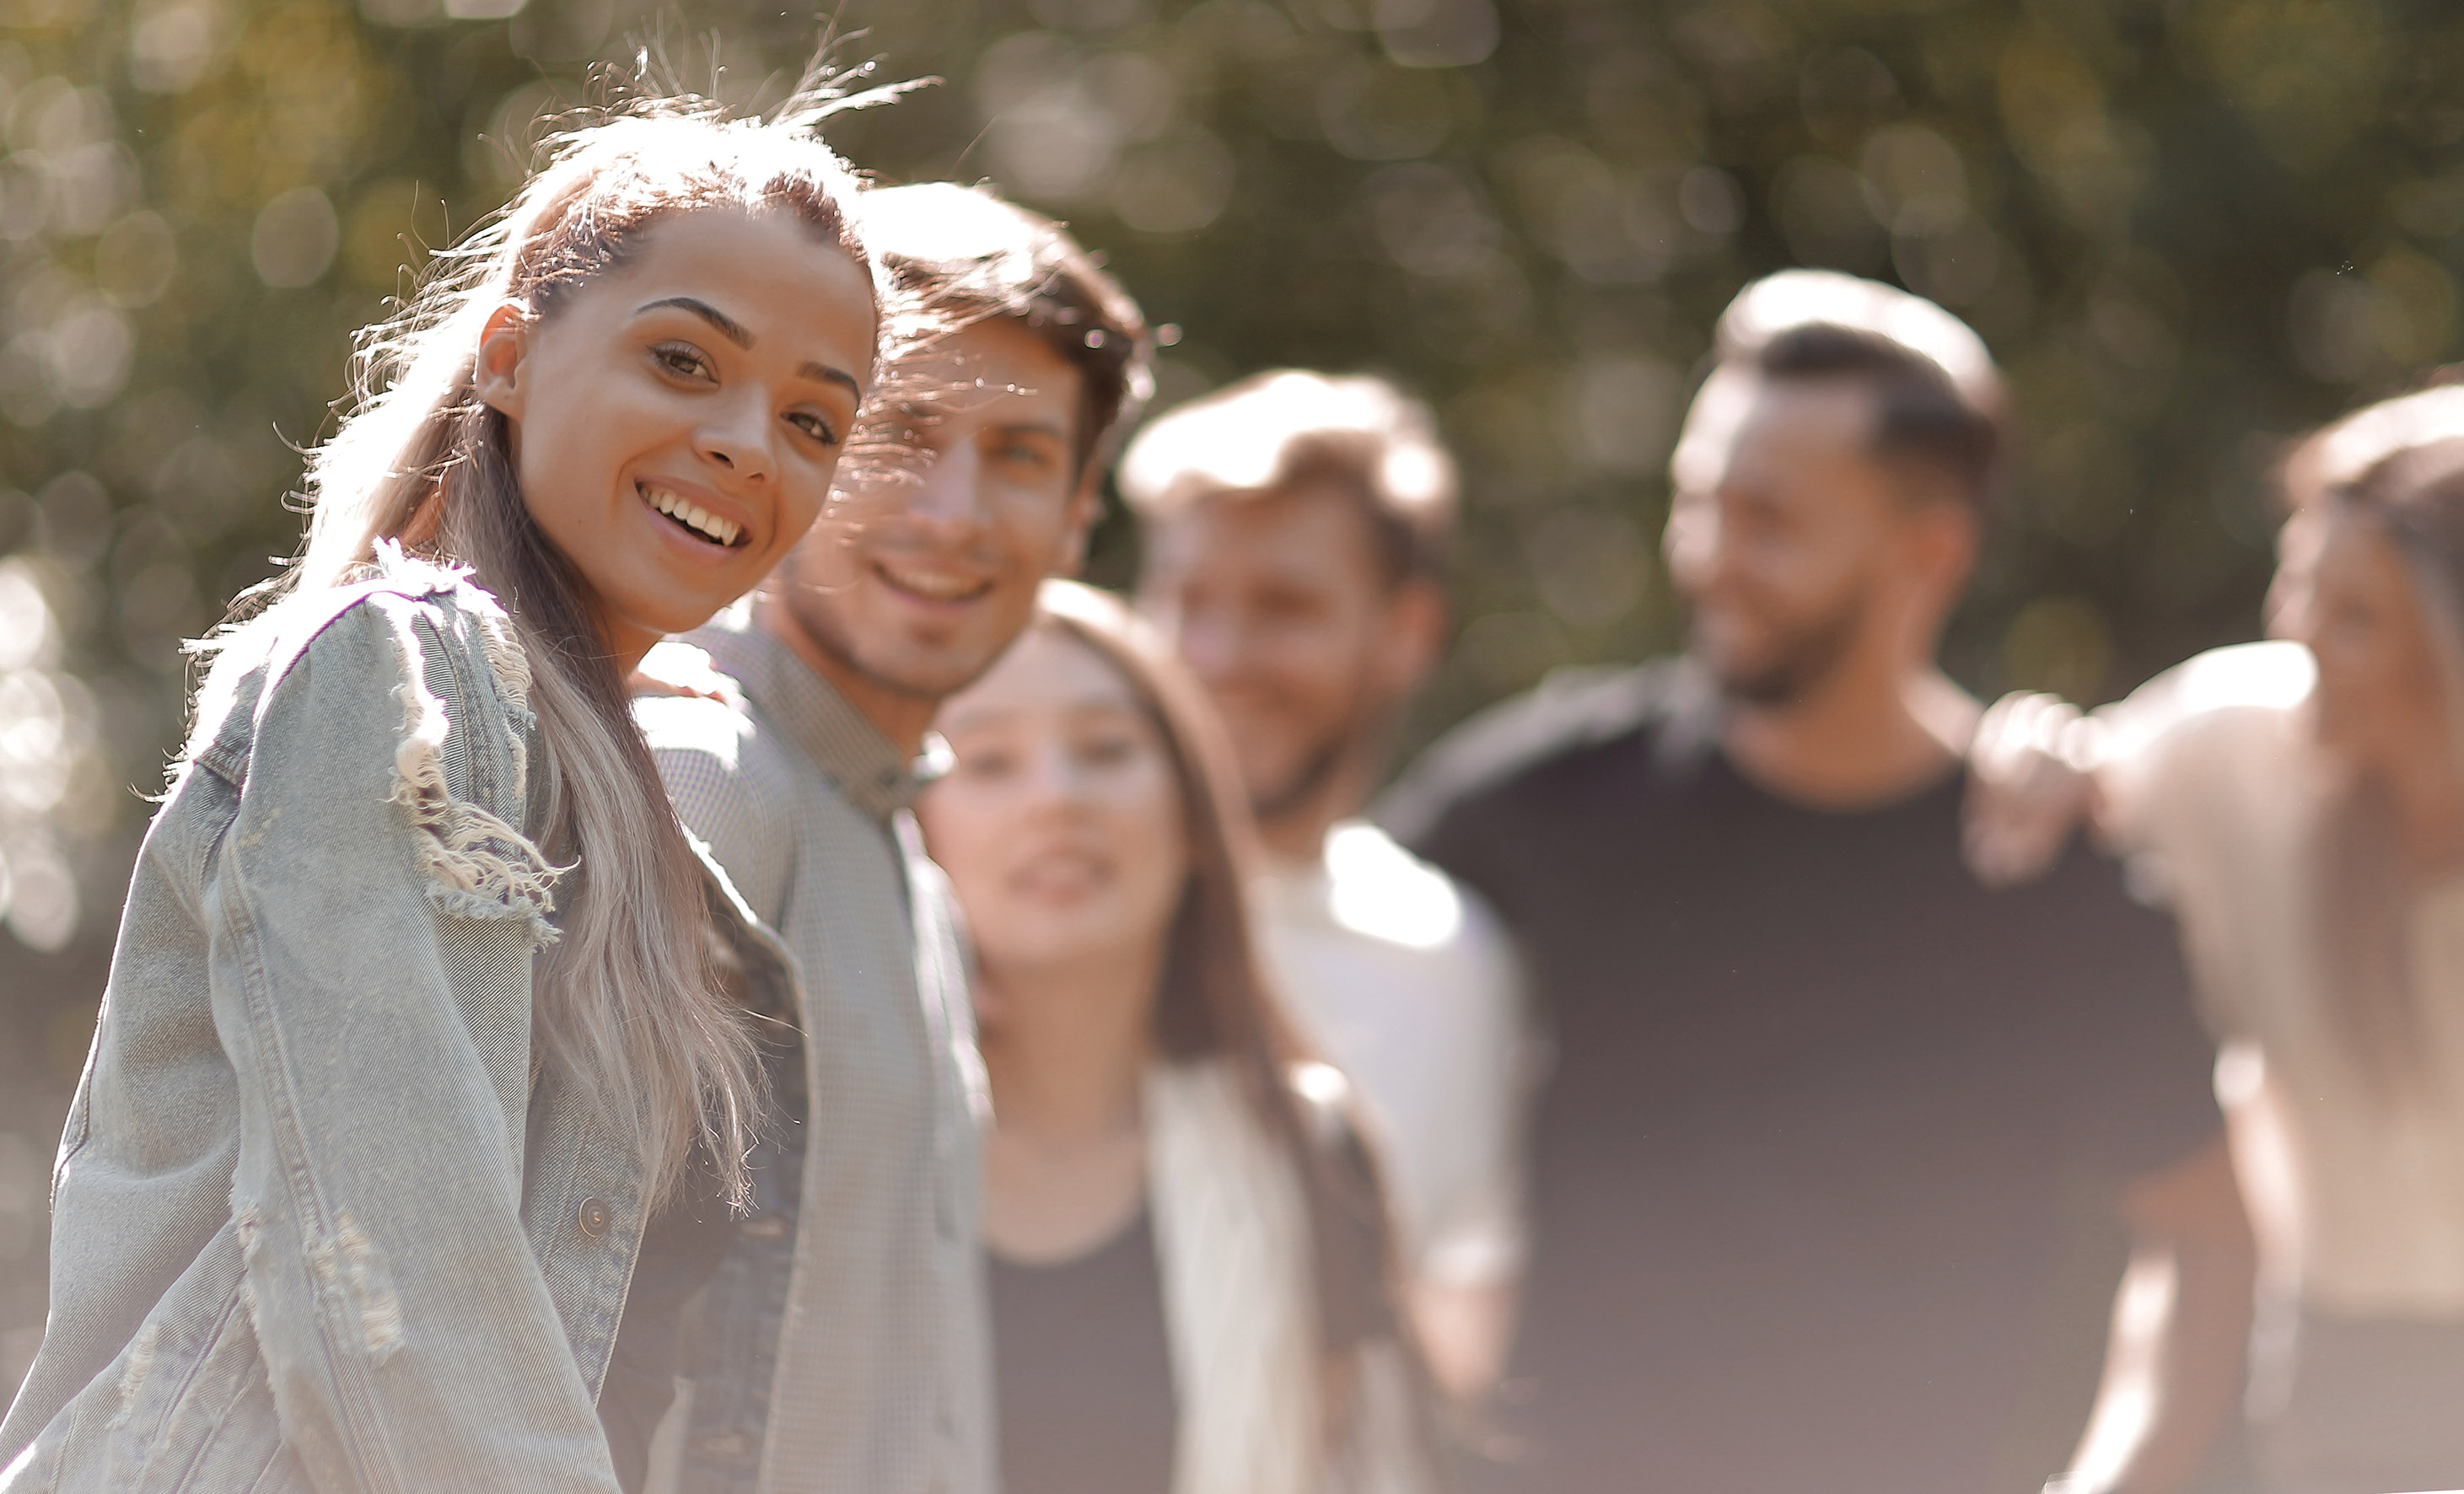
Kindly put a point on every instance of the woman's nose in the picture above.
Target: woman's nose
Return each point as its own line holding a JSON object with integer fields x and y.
{"x": 740, "y": 439}
{"x": 1057, "y": 779}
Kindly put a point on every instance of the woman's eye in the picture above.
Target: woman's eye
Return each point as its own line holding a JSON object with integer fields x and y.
{"x": 982, "y": 764}
{"x": 1110, "y": 750}
{"x": 682, "y": 360}
{"x": 813, "y": 425}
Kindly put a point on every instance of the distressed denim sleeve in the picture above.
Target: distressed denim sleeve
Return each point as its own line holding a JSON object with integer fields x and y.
{"x": 404, "y": 1323}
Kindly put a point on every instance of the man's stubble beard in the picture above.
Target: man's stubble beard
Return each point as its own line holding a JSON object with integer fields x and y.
{"x": 1803, "y": 658}
{"x": 1302, "y": 787}
{"x": 830, "y": 633}
{"x": 1349, "y": 740}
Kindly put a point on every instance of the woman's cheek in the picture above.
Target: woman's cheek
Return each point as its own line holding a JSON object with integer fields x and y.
{"x": 803, "y": 505}
{"x": 1162, "y": 861}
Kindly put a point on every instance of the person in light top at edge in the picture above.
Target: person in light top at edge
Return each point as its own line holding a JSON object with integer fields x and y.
{"x": 1296, "y": 526}
{"x": 1190, "y": 1267}
{"x": 2300, "y": 803}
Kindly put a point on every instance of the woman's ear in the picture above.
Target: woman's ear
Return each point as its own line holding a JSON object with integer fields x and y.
{"x": 504, "y": 348}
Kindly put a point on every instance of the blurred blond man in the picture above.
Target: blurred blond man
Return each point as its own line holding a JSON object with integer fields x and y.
{"x": 1296, "y": 526}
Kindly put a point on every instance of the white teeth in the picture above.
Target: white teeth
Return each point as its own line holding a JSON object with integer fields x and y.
{"x": 693, "y": 515}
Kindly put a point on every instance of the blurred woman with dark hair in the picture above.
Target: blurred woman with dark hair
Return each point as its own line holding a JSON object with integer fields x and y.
{"x": 1189, "y": 1250}
{"x": 2301, "y": 805}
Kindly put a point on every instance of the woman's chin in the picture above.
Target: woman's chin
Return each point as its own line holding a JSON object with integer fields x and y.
{"x": 1047, "y": 943}
{"x": 675, "y": 612}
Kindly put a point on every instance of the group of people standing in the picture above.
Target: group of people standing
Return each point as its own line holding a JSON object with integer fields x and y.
{"x": 680, "y": 954}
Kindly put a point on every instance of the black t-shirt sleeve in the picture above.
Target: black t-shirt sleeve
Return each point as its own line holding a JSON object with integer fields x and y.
{"x": 1481, "y": 803}
{"x": 2146, "y": 1101}
{"x": 1445, "y": 811}
{"x": 1461, "y": 842}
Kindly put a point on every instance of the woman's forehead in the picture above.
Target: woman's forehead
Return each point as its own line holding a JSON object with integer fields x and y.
{"x": 725, "y": 243}
{"x": 1048, "y": 669}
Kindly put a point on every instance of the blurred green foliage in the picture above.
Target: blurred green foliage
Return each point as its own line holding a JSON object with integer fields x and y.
{"x": 2189, "y": 228}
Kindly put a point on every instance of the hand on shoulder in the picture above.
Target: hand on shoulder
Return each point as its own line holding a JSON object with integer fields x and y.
{"x": 679, "y": 670}
{"x": 2027, "y": 790}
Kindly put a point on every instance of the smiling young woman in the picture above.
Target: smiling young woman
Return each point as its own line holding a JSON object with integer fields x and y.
{"x": 675, "y": 425}
{"x": 1193, "y": 1281}
{"x": 425, "y": 1009}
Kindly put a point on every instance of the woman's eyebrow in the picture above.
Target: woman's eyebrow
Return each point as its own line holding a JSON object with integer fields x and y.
{"x": 1090, "y": 706}
{"x": 966, "y": 716}
{"x": 724, "y": 324}
{"x": 741, "y": 336}
{"x": 827, "y": 375}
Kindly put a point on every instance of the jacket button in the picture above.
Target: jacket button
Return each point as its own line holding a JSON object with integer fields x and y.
{"x": 594, "y": 1216}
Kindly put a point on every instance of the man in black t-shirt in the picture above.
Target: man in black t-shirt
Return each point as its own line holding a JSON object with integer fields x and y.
{"x": 1843, "y": 1152}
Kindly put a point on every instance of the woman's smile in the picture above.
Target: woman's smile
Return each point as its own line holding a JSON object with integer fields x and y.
{"x": 676, "y": 421}
{"x": 1067, "y": 873}
{"x": 695, "y": 520}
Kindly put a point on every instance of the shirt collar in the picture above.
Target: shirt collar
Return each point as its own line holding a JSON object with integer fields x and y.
{"x": 842, "y": 742}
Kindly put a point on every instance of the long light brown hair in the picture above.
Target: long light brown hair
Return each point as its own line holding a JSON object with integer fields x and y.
{"x": 629, "y": 1007}
{"x": 2410, "y": 493}
{"x": 1214, "y": 1001}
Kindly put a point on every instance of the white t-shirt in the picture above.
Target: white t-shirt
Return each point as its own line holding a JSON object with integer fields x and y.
{"x": 1407, "y": 983}
{"x": 2213, "y": 785}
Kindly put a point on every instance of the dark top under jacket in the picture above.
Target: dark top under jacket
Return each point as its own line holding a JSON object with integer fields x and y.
{"x": 1825, "y": 1174}
{"x": 1082, "y": 1372}
{"x": 681, "y": 1250}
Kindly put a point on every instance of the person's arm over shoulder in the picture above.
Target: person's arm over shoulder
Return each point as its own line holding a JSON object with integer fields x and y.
{"x": 2159, "y": 772}
{"x": 2160, "y": 754}
{"x": 730, "y": 789}
{"x": 373, "y": 916}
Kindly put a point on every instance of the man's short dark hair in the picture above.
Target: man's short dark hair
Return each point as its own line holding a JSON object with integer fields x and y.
{"x": 969, "y": 254}
{"x": 1944, "y": 403}
{"x": 1924, "y": 418}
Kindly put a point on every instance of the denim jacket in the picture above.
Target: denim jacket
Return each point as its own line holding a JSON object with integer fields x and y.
{"x": 320, "y": 1221}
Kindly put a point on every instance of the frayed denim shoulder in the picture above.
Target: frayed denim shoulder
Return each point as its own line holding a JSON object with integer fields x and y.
{"x": 480, "y": 865}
